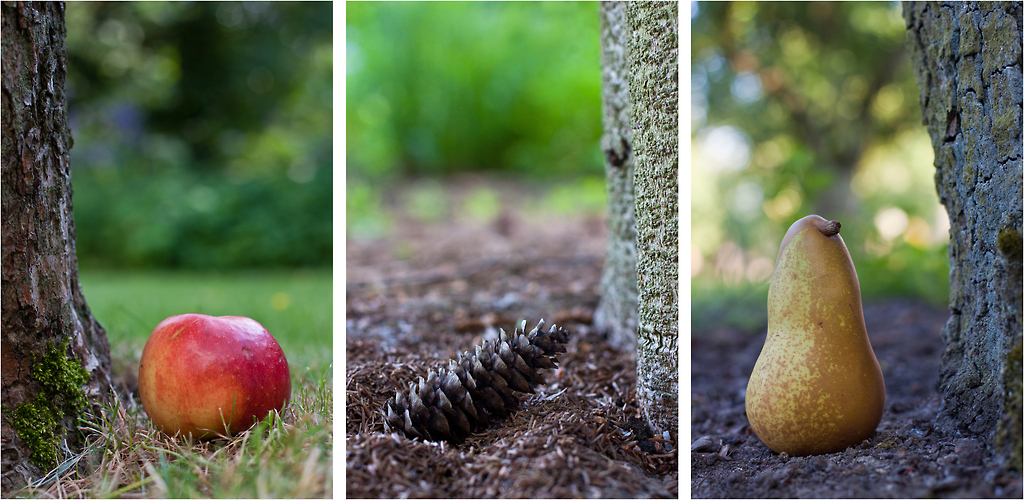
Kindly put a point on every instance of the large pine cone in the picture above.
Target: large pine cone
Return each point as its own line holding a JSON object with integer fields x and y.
{"x": 467, "y": 395}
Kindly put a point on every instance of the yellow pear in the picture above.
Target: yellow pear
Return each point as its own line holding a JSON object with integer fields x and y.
{"x": 816, "y": 387}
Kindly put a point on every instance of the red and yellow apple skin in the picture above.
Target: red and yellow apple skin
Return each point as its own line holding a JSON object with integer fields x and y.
{"x": 208, "y": 376}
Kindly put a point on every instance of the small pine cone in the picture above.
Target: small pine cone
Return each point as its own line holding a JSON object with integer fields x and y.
{"x": 468, "y": 394}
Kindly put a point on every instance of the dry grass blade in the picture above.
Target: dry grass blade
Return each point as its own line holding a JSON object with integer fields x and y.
{"x": 285, "y": 455}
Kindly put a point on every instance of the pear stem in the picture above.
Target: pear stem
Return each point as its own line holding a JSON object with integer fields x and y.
{"x": 828, "y": 228}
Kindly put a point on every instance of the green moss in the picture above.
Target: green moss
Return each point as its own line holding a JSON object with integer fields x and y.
{"x": 62, "y": 377}
{"x": 1010, "y": 243}
{"x": 888, "y": 443}
{"x": 971, "y": 155}
{"x": 1009, "y": 434}
{"x": 36, "y": 423}
{"x": 1001, "y": 46}
{"x": 970, "y": 37}
{"x": 39, "y": 421}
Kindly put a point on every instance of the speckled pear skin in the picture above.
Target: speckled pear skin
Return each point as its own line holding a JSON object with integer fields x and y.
{"x": 816, "y": 387}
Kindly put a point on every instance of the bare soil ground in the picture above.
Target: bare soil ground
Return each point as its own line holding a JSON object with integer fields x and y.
{"x": 906, "y": 458}
{"x": 429, "y": 291}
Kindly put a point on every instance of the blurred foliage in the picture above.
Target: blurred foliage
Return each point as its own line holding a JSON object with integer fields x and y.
{"x": 442, "y": 88}
{"x": 802, "y": 108}
{"x": 203, "y": 133}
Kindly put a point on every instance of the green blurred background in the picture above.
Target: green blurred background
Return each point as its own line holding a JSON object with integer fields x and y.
{"x": 498, "y": 90}
{"x": 202, "y": 133}
{"x": 800, "y": 108}
{"x": 202, "y": 165}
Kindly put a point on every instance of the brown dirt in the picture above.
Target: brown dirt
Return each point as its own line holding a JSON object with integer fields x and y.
{"x": 431, "y": 290}
{"x": 906, "y": 458}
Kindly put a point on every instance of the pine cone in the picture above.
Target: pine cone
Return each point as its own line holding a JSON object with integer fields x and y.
{"x": 469, "y": 393}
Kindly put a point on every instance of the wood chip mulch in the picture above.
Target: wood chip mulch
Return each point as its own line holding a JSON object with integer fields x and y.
{"x": 575, "y": 438}
{"x": 579, "y": 435}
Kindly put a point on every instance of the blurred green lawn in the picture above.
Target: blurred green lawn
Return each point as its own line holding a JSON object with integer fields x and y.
{"x": 295, "y": 306}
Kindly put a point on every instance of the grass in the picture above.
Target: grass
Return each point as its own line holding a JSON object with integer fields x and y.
{"x": 907, "y": 273}
{"x": 287, "y": 455}
{"x": 716, "y": 305}
{"x": 295, "y": 306}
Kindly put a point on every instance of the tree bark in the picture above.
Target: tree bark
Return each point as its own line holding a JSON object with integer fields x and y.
{"x": 55, "y": 355}
{"x": 654, "y": 94}
{"x": 967, "y": 61}
{"x": 616, "y": 312}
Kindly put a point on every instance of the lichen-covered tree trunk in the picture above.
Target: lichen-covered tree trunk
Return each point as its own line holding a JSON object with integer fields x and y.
{"x": 55, "y": 355}
{"x": 616, "y": 312}
{"x": 967, "y": 60}
{"x": 654, "y": 94}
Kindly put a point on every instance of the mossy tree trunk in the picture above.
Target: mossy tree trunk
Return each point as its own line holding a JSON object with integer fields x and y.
{"x": 654, "y": 94}
{"x": 55, "y": 355}
{"x": 616, "y": 312}
{"x": 967, "y": 60}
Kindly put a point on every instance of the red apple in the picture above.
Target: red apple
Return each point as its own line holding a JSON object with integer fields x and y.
{"x": 206, "y": 375}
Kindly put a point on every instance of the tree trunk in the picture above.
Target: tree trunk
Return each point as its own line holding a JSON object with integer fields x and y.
{"x": 55, "y": 355}
{"x": 616, "y": 312}
{"x": 654, "y": 94}
{"x": 967, "y": 60}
